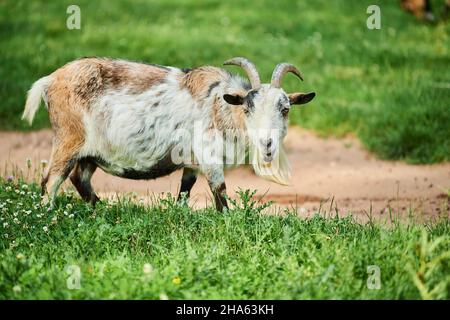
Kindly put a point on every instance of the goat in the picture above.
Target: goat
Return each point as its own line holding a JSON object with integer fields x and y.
{"x": 122, "y": 116}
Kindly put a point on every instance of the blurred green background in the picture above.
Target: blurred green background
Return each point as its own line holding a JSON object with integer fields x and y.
{"x": 389, "y": 87}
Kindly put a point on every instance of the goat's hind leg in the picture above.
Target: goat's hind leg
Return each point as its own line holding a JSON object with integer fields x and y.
{"x": 81, "y": 179}
{"x": 62, "y": 163}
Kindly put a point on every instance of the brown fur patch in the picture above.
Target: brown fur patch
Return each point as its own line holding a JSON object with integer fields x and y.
{"x": 65, "y": 113}
{"x": 137, "y": 77}
{"x": 227, "y": 117}
{"x": 69, "y": 138}
{"x": 238, "y": 116}
{"x": 82, "y": 81}
{"x": 198, "y": 81}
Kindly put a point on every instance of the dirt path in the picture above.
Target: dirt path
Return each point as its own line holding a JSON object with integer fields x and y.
{"x": 324, "y": 170}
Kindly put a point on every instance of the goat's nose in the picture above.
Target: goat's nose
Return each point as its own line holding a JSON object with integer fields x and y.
{"x": 266, "y": 143}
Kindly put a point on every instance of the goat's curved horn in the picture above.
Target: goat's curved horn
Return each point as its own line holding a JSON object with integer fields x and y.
{"x": 249, "y": 68}
{"x": 280, "y": 70}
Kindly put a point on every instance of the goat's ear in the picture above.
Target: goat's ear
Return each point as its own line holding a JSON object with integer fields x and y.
{"x": 234, "y": 99}
{"x": 301, "y": 98}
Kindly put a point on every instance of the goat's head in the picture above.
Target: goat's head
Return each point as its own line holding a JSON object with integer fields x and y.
{"x": 266, "y": 106}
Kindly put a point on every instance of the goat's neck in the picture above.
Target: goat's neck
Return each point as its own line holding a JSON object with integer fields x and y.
{"x": 226, "y": 116}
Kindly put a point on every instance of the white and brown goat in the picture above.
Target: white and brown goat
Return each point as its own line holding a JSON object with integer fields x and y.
{"x": 121, "y": 116}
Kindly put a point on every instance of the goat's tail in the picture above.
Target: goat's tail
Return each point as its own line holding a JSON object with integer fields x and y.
{"x": 37, "y": 92}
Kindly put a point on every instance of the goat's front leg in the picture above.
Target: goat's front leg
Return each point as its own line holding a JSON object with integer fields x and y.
{"x": 187, "y": 182}
{"x": 216, "y": 180}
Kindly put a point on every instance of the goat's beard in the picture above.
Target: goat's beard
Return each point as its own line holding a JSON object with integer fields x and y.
{"x": 278, "y": 170}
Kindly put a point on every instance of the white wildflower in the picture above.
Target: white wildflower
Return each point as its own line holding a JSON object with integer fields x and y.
{"x": 147, "y": 269}
{"x": 17, "y": 289}
{"x": 163, "y": 296}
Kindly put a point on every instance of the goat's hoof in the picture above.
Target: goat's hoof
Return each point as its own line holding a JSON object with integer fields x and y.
{"x": 94, "y": 200}
{"x": 46, "y": 201}
{"x": 183, "y": 200}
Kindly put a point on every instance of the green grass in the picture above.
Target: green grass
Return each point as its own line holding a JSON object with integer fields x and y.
{"x": 390, "y": 87}
{"x": 125, "y": 250}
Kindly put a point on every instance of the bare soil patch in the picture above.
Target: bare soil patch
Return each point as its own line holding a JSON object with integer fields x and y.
{"x": 330, "y": 175}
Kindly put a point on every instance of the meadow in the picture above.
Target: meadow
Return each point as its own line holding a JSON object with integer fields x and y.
{"x": 389, "y": 87}
{"x": 124, "y": 250}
